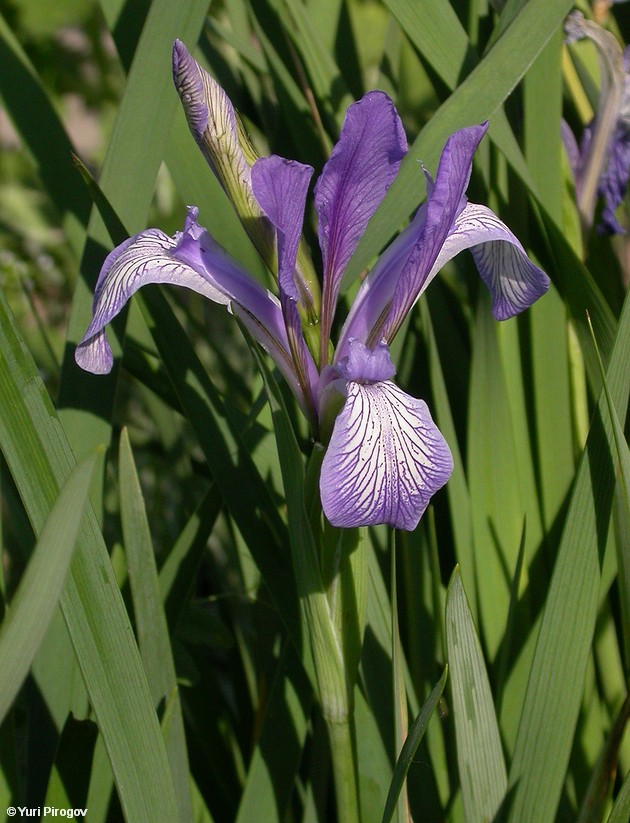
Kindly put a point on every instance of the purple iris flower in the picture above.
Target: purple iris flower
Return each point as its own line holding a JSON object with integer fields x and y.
{"x": 601, "y": 162}
{"x": 385, "y": 456}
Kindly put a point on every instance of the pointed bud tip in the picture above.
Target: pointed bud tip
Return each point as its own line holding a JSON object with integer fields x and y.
{"x": 189, "y": 85}
{"x": 180, "y": 53}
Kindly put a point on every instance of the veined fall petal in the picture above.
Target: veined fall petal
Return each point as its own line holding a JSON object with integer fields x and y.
{"x": 513, "y": 280}
{"x": 145, "y": 258}
{"x": 386, "y": 457}
{"x": 193, "y": 260}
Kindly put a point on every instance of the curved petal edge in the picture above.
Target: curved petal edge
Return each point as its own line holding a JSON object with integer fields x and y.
{"x": 385, "y": 460}
{"x": 145, "y": 258}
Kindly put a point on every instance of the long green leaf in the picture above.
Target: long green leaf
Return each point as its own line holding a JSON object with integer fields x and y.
{"x": 621, "y": 515}
{"x": 435, "y": 30}
{"x": 153, "y": 636}
{"x": 32, "y": 607}
{"x": 40, "y": 459}
{"x": 621, "y": 810}
{"x": 556, "y": 680}
{"x": 412, "y": 741}
{"x": 401, "y": 717}
{"x": 476, "y": 99}
{"x": 496, "y": 485}
{"x": 482, "y": 771}
{"x": 274, "y": 764}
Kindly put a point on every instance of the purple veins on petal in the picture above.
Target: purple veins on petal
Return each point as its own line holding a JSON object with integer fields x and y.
{"x": 280, "y": 187}
{"x": 385, "y": 460}
{"x": 145, "y": 258}
{"x": 513, "y": 280}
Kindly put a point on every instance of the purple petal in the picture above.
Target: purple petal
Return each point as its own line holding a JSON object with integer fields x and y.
{"x": 385, "y": 460}
{"x": 400, "y": 275}
{"x": 191, "y": 259}
{"x": 377, "y": 290}
{"x": 445, "y": 201}
{"x": 189, "y": 82}
{"x": 353, "y": 182}
{"x": 513, "y": 280}
{"x": 145, "y": 258}
{"x": 364, "y": 365}
{"x": 613, "y": 183}
{"x": 571, "y": 147}
{"x": 280, "y": 187}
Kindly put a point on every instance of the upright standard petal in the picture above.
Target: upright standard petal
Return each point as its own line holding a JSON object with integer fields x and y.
{"x": 281, "y": 186}
{"x": 400, "y": 275}
{"x": 445, "y": 200}
{"x": 385, "y": 460}
{"x": 353, "y": 182}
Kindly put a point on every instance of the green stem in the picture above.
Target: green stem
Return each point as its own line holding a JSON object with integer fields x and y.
{"x": 344, "y": 771}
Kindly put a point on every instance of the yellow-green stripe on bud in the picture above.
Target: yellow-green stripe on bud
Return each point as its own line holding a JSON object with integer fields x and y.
{"x": 213, "y": 123}
{"x": 220, "y": 135}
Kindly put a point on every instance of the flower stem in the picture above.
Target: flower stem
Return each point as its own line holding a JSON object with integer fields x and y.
{"x": 344, "y": 771}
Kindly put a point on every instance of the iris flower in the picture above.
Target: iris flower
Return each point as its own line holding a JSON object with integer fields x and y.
{"x": 385, "y": 456}
{"x": 601, "y": 162}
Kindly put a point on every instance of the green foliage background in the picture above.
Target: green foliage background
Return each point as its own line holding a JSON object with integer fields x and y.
{"x": 153, "y": 661}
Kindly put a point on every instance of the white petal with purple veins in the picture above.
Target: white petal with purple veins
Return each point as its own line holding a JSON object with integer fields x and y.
{"x": 145, "y": 258}
{"x": 191, "y": 259}
{"x": 513, "y": 280}
{"x": 385, "y": 460}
